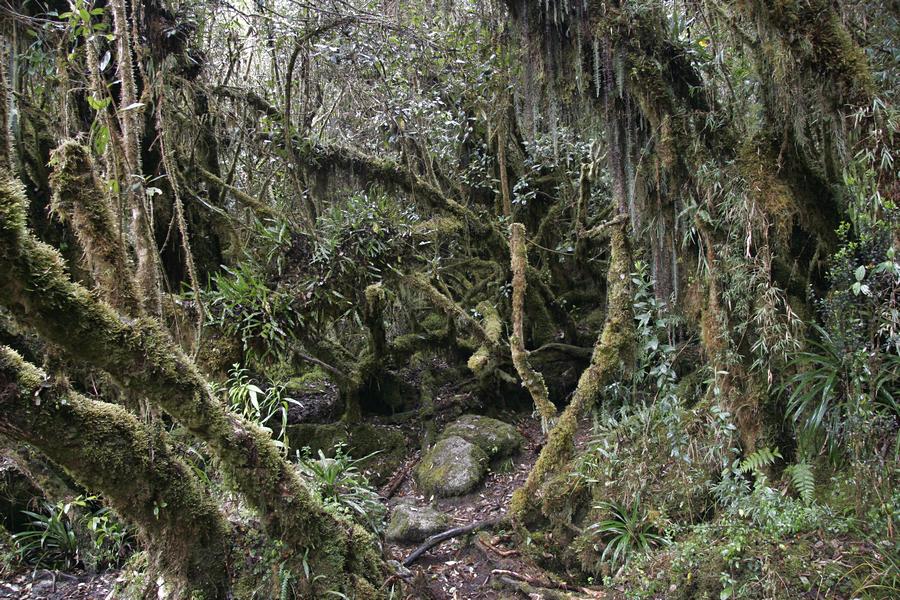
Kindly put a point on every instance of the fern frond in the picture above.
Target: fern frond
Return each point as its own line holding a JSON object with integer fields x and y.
{"x": 758, "y": 460}
{"x": 803, "y": 480}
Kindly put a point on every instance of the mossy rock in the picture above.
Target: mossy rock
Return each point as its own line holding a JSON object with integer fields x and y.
{"x": 453, "y": 467}
{"x": 410, "y": 523}
{"x": 496, "y": 438}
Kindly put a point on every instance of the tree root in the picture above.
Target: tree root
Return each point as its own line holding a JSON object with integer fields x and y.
{"x": 450, "y": 534}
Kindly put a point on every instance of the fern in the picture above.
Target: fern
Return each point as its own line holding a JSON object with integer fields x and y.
{"x": 759, "y": 459}
{"x": 803, "y": 480}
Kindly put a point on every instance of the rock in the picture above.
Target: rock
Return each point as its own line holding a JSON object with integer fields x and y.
{"x": 452, "y": 467}
{"x": 496, "y": 438}
{"x": 410, "y": 523}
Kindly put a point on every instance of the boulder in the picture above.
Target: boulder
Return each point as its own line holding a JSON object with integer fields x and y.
{"x": 452, "y": 467}
{"x": 496, "y": 438}
{"x": 410, "y": 523}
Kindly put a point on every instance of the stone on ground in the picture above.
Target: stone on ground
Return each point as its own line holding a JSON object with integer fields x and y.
{"x": 496, "y": 438}
{"x": 411, "y": 523}
{"x": 452, "y": 467}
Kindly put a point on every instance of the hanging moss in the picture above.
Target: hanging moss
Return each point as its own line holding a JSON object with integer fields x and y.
{"x": 814, "y": 32}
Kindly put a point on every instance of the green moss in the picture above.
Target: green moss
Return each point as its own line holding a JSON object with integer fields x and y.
{"x": 495, "y": 438}
{"x": 142, "y": 357}
{"x": 453, "y": 467}
{"x": 108, "y": 450}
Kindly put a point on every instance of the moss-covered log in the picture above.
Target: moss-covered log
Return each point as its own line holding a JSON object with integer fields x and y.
{"x": 142, "y": 357}
{"x": 110, "y": 451}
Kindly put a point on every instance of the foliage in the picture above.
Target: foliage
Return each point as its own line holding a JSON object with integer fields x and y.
{"x": 625, "y": 532}
{"x": 344, "y": 488}
{"x": 243, "y": 305}
{"x": 51, "y": 539}
{"x": 269, "y": 408}
{"x": 803, "y": 480}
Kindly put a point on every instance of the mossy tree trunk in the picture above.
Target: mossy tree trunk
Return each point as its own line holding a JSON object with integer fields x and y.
{"x": 612, "y": 354}
{"x": 531, "y": 379}
{"x": 78, "y": 199}
{"x": 140, "y": 355}
{"x": 107, "y": 449}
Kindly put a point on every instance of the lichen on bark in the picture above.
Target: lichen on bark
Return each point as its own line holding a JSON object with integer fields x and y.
{"x": 78, "y": 199}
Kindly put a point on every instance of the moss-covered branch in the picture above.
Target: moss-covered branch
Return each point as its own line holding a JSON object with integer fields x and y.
{"x": 142, "y": 357}
{"x": 612, "y": 353}
{"x": 822, "y": 45}
{"x": 257, "y": 206}
{"x": 77, "y": 198}
{"x": 110, "y": 451}
{"x": 532, "y": 380}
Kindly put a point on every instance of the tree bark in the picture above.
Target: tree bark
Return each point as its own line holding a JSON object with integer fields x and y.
{"x": 107, "y": 449}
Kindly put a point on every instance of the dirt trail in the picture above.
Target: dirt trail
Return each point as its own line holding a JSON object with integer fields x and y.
{"x": 457, "y": 569}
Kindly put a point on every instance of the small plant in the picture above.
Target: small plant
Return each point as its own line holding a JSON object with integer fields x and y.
{"x": 342, "y": 486}
{"x": 803, "y": 480}
{"x": 626, "y": 532}
{"x": 52, "y": 539}
{"x": 49, "y": 539}
{"x": 755, "y": 462}
{"x": 267, "y": 408}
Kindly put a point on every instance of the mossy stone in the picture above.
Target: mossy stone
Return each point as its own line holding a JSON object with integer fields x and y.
{"x": 496, "y": 438}
{"x": 410, "y": 523}
{"x": 453, "y": 467}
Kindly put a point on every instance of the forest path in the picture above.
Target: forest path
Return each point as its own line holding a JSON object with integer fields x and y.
{"x": 461, "y": 568}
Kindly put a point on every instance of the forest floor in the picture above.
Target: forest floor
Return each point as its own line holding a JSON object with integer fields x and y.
{"x": 469, "y": 567}
{"x": 53, "y": 585}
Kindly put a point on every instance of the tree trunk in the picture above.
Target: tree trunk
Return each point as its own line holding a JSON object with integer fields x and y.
{"x": 143, "y": 358}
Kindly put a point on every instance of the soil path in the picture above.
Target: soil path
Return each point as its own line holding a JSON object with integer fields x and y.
{"x": 460, "y": 569}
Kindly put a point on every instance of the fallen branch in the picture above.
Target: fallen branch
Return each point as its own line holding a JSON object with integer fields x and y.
{"x": 501, "y": 553}
{"x": 399, "y": 477}
{"x": 449, "y": 534}
{"x": 534, "y": 591}
{"x": 548, "y": 584}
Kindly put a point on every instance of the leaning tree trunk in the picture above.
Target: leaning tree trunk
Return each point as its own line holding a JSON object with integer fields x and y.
{"x": 107, "y": 449}
{"x": 613, "y": 350}
{"x": 143, "y": 358}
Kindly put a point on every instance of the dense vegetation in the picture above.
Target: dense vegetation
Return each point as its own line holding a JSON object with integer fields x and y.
{"x": 255, "y": 255}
